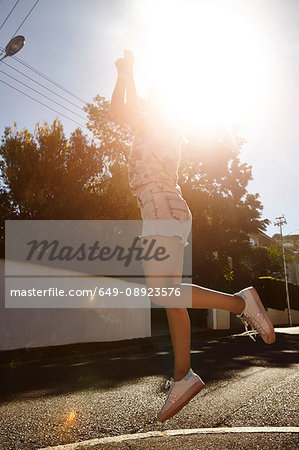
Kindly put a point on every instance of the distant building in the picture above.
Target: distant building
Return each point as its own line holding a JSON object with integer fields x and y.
{"x": 263, "y": 240}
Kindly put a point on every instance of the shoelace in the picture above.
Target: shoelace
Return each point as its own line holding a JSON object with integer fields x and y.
{"x": 246, "y": 324}
{"x": 169, "y": 383}
{"x": 171, "y": 397}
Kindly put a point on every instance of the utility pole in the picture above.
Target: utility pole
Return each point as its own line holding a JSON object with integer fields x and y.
{"x": 280, "y": 222}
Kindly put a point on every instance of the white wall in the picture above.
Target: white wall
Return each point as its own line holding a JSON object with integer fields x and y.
{"x": 281, "y": 317}
{"x": 218, "y": 319}
{"x": 26, "y": 328}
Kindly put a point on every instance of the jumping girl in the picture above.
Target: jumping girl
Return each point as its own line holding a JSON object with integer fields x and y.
{"x": 152, "y": 168}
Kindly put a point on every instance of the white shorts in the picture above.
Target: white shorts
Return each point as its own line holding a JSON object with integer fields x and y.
{"x": 164, "y": 211}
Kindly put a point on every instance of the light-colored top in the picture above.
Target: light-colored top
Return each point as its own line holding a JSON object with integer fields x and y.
{"x": 154, "y": 156}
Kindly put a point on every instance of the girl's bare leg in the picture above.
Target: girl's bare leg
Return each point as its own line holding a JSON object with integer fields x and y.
{"x": 178, "y": 318}
{"x": 207, "y": 298}
{"x": 179, "y": 322}
{"x": 180, "y": 329}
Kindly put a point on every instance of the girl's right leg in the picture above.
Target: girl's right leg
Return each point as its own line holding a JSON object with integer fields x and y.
{"x": 208, "y": 298}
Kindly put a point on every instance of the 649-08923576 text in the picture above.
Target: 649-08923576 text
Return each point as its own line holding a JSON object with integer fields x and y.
{"x": 100, "y": 291}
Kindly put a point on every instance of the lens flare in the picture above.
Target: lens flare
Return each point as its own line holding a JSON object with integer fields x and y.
{"x": 211, "y": 60}
{"x": 71, "y": 417}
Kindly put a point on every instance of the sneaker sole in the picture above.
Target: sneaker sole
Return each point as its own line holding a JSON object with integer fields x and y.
{"x": 186, "y": 397}
{"x": 257, "y": 299}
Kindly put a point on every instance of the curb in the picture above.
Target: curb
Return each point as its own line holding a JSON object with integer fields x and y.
{"x": 93, "y": 443}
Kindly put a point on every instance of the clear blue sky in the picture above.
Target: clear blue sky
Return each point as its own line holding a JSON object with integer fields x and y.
{"x": 75, "y": 42}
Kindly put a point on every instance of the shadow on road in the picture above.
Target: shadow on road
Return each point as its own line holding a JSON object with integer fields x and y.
{"x": 213, "y": 358}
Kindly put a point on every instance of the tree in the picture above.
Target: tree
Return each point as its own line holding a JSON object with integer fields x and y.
{"x": 7, "y": 211}
{"x": 47, "y": 177}
{"x": 262, "y": 262}
{"x": 114, "y": 140}
{"x": 214, "y": 182}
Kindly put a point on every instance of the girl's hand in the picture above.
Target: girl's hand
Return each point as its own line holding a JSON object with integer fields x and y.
{"x": 122, "y": 66}
{"x": 125, "y": 65}
{"x": 129, "y": 57}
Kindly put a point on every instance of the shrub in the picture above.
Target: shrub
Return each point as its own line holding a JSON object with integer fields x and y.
{"x": 273, "y": 293}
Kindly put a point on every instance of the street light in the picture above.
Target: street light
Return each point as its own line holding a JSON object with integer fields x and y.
{"x": 14, "y": 45}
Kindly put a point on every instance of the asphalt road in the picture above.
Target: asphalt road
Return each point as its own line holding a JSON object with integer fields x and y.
{"x": 248, "y": 385}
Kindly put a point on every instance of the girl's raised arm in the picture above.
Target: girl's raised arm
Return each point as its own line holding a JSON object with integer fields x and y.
{"x": 126, "y": 112}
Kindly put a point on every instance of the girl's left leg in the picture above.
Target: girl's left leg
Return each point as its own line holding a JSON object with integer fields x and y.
{"x": 180, "y": 330}
{"x": 191, "y": 294}
{"x": 178, "y": 318}
{"x": 186, "y": 383}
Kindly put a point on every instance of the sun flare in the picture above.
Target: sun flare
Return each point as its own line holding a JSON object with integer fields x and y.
{"x": 211, "y": 61}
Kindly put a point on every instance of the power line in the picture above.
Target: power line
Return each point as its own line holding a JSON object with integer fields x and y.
{"x": 24, "y": 63}
{"x": 295, "y": 225}
{"x": 9, "y": 14}
{"x": 28, "y": 66}
{"x": 49, "y": 79}
{"x": 268, "y": 213}
{"x": 27, "y": 16}
{"x": 291, "y": 227}
{"x": 290, "y": 234}
{"x": 42, "y": 85}
{"x": 43, "y": 95}
{"x": 49, "y": 107}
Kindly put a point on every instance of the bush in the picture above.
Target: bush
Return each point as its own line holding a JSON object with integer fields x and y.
{"x": 273, "y": 293}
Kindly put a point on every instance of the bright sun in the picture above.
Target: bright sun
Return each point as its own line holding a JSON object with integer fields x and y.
{"x": 211, "y": 59}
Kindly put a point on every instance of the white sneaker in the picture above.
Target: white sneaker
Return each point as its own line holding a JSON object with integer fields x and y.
{"x": 255, "y": 315}
{"x": 180, "y": 393}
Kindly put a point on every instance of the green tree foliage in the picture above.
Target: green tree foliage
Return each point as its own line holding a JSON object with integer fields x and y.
{"x": 214, "y": 182}
{"x": 46, "y": 176}
{"x": 114, "y": 140}
{"x": 263, "y": 261}
{"x": 7, "y": 211}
